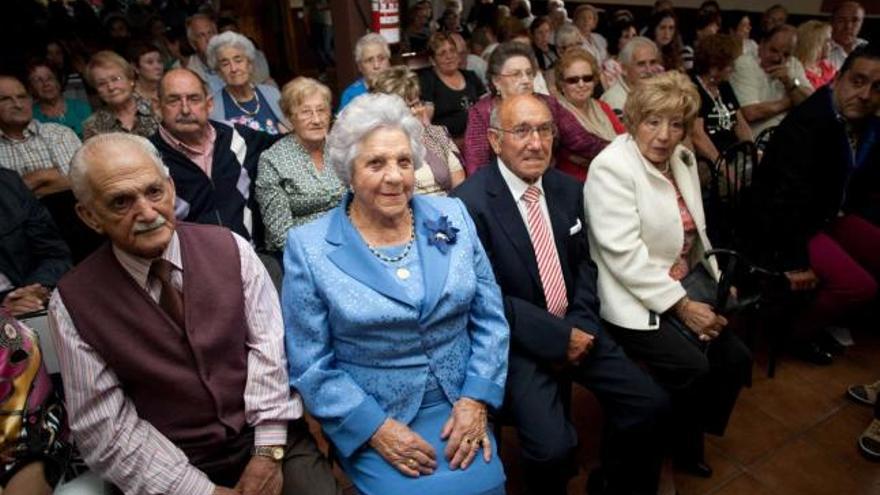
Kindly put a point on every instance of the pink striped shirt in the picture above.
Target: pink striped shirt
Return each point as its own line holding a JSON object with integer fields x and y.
{"x": 130, "y": 452}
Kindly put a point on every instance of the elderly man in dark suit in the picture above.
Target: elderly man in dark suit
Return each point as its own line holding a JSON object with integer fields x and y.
{"x": 530, "y": 219}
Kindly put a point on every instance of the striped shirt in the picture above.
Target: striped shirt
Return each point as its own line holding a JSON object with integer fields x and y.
{"x": 129, "y": 451}
{"x": 45, "y": 145}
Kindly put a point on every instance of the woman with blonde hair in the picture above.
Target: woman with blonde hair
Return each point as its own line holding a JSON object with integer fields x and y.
{"x": 124, "y": 110}
{"x": 577, "y": 76}
{"x": 293, "y": 186}
{"x": 812, "y": 49}
{"x": 647, "y": 236}
{"x": 444, "y": 170}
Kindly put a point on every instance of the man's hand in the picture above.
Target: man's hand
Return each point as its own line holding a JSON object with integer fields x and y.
{"x": 404, "y": 449}
{"x": 802, "y": 279}
{"x": 46, "y": 181}
{"x": 262, "y": 476}
{"x": 26, "y": 299}
{"x": 780, "y": 73}
{"x": 579, "y": 344}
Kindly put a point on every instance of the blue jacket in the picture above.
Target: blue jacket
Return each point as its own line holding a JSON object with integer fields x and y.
{"x": 360, "y": 350}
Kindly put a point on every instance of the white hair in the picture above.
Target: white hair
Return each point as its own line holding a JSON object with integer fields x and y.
{"x": 365, "y": 114}
{"x": 626, "y": 53}
{"x": 233, "y": 39}
{"x": 85, "y": 156}
{"x": 367, "y": 40}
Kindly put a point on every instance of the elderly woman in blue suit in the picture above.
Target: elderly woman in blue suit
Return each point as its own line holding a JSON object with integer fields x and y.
{"x": 395, "y": 328}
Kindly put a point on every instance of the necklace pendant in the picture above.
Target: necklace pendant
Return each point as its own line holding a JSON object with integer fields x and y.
{"x": 403, "y": 273}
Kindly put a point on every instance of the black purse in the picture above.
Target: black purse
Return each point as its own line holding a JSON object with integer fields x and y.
{"x": 701, "y": 287}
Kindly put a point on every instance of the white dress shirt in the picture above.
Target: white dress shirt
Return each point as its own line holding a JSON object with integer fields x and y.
{"x": 129, "y": 451}
{"x": 752, "y": 85}
{"x": 518, "y": 188}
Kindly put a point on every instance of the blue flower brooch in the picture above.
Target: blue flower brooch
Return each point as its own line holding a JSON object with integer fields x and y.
{"x": 441, "y": 233}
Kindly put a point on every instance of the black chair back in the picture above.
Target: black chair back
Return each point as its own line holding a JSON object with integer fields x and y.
{"x": 727, "y": 203}
{"x": 763, "y": 137}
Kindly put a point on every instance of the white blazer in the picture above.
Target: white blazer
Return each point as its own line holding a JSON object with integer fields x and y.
{"x": 636, "y": 232}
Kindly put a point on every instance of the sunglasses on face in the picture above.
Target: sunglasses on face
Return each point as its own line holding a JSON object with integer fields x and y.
{"x": 575, "y": 79}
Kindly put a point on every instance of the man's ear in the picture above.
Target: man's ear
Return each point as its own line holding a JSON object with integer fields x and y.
{"x": 88, "y": 217}
{"x": 495, "y": 141}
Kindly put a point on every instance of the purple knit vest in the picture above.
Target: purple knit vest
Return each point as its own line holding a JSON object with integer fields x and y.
{"x": 189, "y": 384}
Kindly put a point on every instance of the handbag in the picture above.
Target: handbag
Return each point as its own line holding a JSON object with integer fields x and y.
{"x": 701, "y": 287}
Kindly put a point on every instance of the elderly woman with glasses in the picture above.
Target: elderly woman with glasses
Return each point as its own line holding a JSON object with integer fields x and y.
{"x": 241, "y": 101}
{"x": 648, "y": 235}
{"x": 124, "y": 110}
{"x": 577, "y": 76}
{"x": 395, "y": 327}
{"x": 511, "y": 71}
{"x": 443, "y": 171}
{"x": 294, "y": 186}
{"x": 50, "y": 105}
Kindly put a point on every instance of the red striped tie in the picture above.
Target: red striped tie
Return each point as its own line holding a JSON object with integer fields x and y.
{"x": 545, "y": 254}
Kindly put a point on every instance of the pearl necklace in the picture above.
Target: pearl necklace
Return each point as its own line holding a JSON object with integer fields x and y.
{"x": 406, "y": 249}
{"x": 243, "y": 110}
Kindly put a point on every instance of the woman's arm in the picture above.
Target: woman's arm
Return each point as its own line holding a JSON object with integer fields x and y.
{"x": 347, "y": 414}
{"x": 704, "y": 146}
{"x": 614, "y": 222}
{"x": 273, "y": 201}
{"x": 742, "y": 130}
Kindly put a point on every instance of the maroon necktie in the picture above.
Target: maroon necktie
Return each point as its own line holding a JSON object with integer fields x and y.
{"x": 546, "y": 255}
{"x": 170, "y": 299}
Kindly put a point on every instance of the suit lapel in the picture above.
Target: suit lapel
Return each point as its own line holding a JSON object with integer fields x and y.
{"x": 558, "y": 221}
{"x": 435, "y": 264}
{"x": 683, "y": 180}
{"x": 354, "y": 258}
{"x": 507, "y": 214}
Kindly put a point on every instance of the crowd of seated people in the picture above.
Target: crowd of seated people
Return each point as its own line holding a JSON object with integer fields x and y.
{"x": 459, "y": 242}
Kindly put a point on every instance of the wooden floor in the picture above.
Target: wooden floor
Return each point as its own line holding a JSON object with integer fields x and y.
{"x": 794, "y": 434}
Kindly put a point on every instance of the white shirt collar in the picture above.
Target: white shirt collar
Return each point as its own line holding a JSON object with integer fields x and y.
{"x": 516, "y": 185}
{"x": 139, "y": 268}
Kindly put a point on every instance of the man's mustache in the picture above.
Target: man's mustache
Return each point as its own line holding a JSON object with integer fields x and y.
{"x": 141, "y": 227}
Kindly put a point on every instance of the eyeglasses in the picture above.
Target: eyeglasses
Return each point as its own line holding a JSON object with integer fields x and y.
{"x": 310, "y": 113}
{"x": 524, "y": 131}
{"x": 104, "y": 84}
{"x": 576, "y": 79}
{"x": 528, "y": 74}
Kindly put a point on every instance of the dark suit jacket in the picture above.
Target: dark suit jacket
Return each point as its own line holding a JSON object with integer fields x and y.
{"x": 31, "y": 250}
{"x": 807, "y": 175}
{"x": 505, "y": 238}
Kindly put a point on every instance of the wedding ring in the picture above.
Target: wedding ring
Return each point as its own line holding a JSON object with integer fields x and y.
{"x": 412, "y": 463}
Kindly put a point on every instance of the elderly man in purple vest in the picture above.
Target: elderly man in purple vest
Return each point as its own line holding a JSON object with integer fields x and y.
{"x": 171, "y": 346}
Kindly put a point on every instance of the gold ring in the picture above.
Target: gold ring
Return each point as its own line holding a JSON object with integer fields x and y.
{"x": 467, "y": 440}
{"x": 412, "y": 463}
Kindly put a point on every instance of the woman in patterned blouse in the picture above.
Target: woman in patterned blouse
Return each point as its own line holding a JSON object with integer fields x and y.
{"x": 443, "y": 170}
{"x": 124, "y": 110}
{"x": 293, "y": 187}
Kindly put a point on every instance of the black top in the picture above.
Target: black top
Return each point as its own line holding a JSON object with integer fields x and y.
{"x": 719, "y": 125}
{"x": 450, "y": 105}
{"x": 547, "y": 59}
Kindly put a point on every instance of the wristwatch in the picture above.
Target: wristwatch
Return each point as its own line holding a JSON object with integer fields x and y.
{"x": 274, "y": 452}
{"x": 795, "y": 84}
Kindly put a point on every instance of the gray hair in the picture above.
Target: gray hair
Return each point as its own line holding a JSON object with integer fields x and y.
{"x": 365, "y": 114}
{"x": 626, "y": 53}
{"x": 195, "y": 17}
{"x": 233, "y": 39}
{"x": 566, "y": 33}
{"x": 367, "y": 40}
{"x": 84, "y": 157}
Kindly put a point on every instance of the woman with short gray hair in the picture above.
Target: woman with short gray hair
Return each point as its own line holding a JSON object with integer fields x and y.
{"x": 394, "y": 324}
{"x": 241, "y": 101}
{"x": 372, "y": 55}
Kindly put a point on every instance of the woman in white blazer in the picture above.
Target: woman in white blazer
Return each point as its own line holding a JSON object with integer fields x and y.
{"x": 647, "y": 236}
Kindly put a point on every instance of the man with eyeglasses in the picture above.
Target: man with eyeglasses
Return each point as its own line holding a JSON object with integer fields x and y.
{"x": 530, "y": 219}
{"x": 39, "y": 152}
{"x": 214, "y": 165}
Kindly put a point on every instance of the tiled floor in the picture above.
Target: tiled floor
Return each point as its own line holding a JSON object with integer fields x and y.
{"x": 794, "y": 434}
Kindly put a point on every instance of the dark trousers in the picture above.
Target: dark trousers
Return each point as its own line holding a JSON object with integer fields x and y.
{"x": 703, "y": 384}
{"x": 305, "y": 469}
{"x": 635, "y": 409}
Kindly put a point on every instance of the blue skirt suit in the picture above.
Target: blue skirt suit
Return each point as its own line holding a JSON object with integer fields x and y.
{"x": 365, "y": 343}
